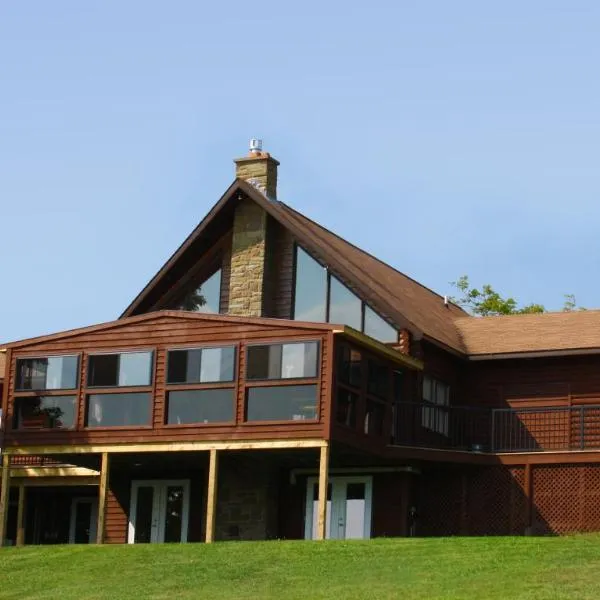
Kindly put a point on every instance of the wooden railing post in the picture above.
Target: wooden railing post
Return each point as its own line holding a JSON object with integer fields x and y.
{"x": 4, "y": 491}
{"x": 21, "y": 516}
{"x": 323, "y": 484}
{"x": 104, "y": 472}
{"x": 211, "y": 496}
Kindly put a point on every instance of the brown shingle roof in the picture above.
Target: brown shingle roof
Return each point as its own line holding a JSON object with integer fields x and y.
{"x": 393, "y": 293}
{"x": 548, "y": 332}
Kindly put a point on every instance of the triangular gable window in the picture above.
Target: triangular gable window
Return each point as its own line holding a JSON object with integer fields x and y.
{"x": 206, "y": 298}
{"x": 320, "y": 297}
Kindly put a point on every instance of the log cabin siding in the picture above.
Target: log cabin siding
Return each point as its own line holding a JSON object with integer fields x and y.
{"x": 160, "y": 334}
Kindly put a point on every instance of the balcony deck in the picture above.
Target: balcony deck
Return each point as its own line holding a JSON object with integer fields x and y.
{"x": 565, "y": 428}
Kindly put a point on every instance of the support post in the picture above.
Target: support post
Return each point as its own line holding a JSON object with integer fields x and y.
{"x": 4, "y": 491}
{"x": 211, "y": 497}
{"x": 323, "y": 481}
{"x": 528, "y": 499}
{"x": 104, "y": 469}
{"x": 21, "y": 516}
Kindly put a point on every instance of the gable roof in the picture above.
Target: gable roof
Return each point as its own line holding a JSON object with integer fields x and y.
{"x": 559, "y": 333}
{"x": 403, "y": 300}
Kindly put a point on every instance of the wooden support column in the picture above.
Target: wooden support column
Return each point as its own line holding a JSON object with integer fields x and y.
{"x": 4, "y": 491}
{"x": 21, "y": 516}
{"x": 211, "y": 497}
{"x": 104, "y": 469}
{"x": 323, "y": 481}
{"x": 528, "y": 499}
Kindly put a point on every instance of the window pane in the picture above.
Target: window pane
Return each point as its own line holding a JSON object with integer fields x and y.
{"x": 378, "y": 379}
{"x": 283, "y": 361}
{"x": 52, "y": 373}
{"x": 349, "y": 366}
{"x": 374, "y": 418}
{"x": 206, "y": 298}
{"x": 45, "y": 412}
{"x": 377, "y": 328}
{"x": 201, "y": 406}
{"x": 217, "y": 364}
{"x": 344, "y": 307}
{"x": 114, "y": 410}
{"x": 311, "y": 289}
{"x": 103, "y": 370}
{"x": 346, "y": 407}
{"x": 282, "y": 403}
{"x": 299, "y": 360}
{"x": 135, "y": 368}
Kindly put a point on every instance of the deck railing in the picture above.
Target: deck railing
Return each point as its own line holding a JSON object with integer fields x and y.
{"x": 497, "y": 429}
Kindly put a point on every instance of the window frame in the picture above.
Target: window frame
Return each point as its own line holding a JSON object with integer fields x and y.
{"x": 194, "y": 283}
{"x": 432, "y": 409}
{"x": 263, "y": 380}
{"x": 189, "y": 387}
{"x": 208, "y": 384}
{"x": 113, "y": 392}
{"x": 143, "y": 387}
{"x": 16, "y": 410}
{"x": 48, "y": 391}
{"x": 246, "y": 384}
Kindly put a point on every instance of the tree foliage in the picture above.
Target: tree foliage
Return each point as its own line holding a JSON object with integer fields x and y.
{"x": 487, "y": 301}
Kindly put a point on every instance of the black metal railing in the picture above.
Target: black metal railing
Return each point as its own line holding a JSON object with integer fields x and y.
{"x": 496, "y": 429}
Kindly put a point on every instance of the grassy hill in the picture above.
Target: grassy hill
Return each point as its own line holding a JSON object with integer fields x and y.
{"x": 478, "y": 568}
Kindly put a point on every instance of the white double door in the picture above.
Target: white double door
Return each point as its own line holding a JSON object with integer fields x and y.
{"x": 159, "y": 511}
{"x": 348, "y": 508}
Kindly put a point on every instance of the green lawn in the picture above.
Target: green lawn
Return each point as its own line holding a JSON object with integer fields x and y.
{"x": 478, "y": 568}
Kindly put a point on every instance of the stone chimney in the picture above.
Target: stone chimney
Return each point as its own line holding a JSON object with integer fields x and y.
{"x": 248, "y": 247}
{"x": 259, "y": 168}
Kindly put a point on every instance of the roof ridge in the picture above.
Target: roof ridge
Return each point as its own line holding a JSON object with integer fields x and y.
{"x": 382, "y": 262}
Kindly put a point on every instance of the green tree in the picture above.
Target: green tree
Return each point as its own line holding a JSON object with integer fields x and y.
{"x": 193, "y": 300}
{"x": 487, "y": 301}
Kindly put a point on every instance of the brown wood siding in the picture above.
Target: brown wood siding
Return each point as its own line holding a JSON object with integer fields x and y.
{"x": 160, "y": 334}
{"x": 279, "y": 272}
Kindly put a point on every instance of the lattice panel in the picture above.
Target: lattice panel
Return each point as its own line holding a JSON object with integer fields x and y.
{"x": 496, "y": 503}
{"x": 439, "y": 503}
{"x": 565, "y": 498}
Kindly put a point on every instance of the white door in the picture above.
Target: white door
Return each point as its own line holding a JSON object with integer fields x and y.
{"x": 348, "y": 508}
{"x": 84, "y": 521}
{"x": 159, "y": 511}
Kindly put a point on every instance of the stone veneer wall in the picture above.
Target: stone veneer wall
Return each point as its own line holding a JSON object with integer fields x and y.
{"x": 247, "y": 260}
{"x": 247, "y": 499}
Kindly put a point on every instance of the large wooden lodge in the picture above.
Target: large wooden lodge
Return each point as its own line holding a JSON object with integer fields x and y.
{"x": 274, "y": 381}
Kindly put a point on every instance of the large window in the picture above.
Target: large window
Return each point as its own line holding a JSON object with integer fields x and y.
{"x": 297, "y": 360}
{"x": 49, "y": 373}
{"x": 281, "y": 403}
{"x": 311, "y": 289}
{"x": 321, "y": 297}
{"x": 436, "y": 396}
{"x": 45, "y": 412}
{"x": 119, "y": 410}
{"x": 201, "y": 365}
{"x": 201, "y": 406}
{"x": 206, "y": 298}
{"x": 120, "y": 370}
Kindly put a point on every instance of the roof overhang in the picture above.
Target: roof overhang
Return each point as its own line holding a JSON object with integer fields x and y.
{"x": 379, "y": 348}
{"x": 534, "y": 354}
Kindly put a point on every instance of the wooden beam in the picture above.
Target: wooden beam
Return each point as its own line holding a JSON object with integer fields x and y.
{"x": 4, "y": 492}
{"x": 21, "y": 517}
{"x": 36, "y": 472}
{"x": 56, "y": 481}
{"x": 211, "y": 496}
{"x": 197, "y": 446}
{"x": 323, "y": 484}
{"x": 102, "y": 498}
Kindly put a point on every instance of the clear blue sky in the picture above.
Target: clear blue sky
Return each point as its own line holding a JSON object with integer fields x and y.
{"x": 444, "y": 137}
